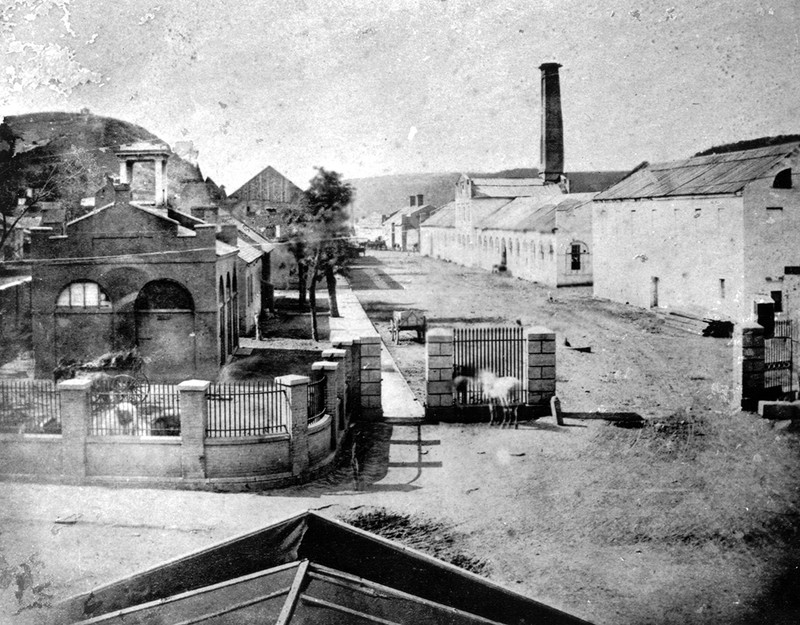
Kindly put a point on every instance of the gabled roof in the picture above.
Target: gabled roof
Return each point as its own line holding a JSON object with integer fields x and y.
{"x": 223, "y": 249}
{"x": 715, "y": 174}
{"x": 268, "y": 171}
{"x": 532, "y": 214}
{"x": 407, "y": 211}
{"x": 444, "y": 217}
{"x": 181, "y": 230}
{"x": 507, "y": 187}
{"x": 307, "y": 569}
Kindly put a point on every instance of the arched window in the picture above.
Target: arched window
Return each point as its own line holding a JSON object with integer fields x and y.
{"x": 783, "y": 180}
{"x": 164, "y": 295}
{"x": 221, "y": 290}
{"x": 83, "y": 295}
{"x": 227, "y": 286}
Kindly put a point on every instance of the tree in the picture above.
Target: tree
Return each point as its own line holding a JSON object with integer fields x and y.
{"x": 62, "y": 176}
{"x": 318, "y": 237}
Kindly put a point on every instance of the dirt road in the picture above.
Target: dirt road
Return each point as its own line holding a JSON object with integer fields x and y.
{"x": 659, "y": 525}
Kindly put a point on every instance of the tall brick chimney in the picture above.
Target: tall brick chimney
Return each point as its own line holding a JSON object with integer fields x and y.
{"x": 551, "y": 167}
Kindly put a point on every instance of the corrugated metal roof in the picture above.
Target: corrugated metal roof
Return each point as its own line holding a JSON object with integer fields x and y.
{"x": 507, "y": 187}
{"x": 714, "y": 174}
{"x": 444, "y": 217}
{"x": 248, "y": 253}
{"x": 533, "y": 214}
{"x": 407, "y": 211}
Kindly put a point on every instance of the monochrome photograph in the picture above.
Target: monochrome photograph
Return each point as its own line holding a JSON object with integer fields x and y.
{"x": 399, "y": 312}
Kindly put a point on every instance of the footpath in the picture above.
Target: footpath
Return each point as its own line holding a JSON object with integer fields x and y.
{"x": 399, "y": 404}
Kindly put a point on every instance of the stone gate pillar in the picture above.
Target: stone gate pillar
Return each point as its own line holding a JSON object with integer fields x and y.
{"x": 541, "y": 366}
{"x": 439, "y": 373}
{"x": 748, "y": 365}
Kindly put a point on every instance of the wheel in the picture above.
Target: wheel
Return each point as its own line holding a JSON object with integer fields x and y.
{"x": 133, "y": 389}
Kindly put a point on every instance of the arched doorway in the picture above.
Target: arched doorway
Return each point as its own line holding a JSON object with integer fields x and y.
{"x": 165, "y": 332}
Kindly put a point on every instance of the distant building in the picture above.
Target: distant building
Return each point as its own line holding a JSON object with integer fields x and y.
{"x": 709, "y": 235}
{"x": 536, "y": 228}
{"x": 258, "y": 201}
{"x": 370, "y": 227}
{"x": 401, "y": 229}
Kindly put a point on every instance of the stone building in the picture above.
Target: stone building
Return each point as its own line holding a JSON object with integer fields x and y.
{"x": 710, "y": 235}
{"x": 401, "y": 228}
{"x": 537, "y": 227}
{"x": 129, "y": 274}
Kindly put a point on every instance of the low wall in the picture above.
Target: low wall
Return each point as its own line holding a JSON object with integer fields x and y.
{"x": 194, "y": 459}
{"x": 248, "y": 456}
{"x": 319, "y": 440}
{"x": 133, "y": 456}
{"x": 28, "y": 454}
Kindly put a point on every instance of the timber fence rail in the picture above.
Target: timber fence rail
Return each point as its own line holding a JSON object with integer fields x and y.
{"x": 253, "y": 409}
{"x": 29, "y": 407}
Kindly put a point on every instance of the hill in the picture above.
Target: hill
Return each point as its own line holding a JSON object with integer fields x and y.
{"x": 749, "y": 144}
{"x": 43, "y": 137}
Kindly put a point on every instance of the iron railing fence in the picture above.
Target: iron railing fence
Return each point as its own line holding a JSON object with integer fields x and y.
{"x": 29, "y": 407}
{"x": 251, "y": 409}
{"x": 115, "y": 412}
{"x": 481, "y": 354}
{"x": 316, "y": 400}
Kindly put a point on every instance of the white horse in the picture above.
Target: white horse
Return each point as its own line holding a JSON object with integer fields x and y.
{"x": 498, "y": 392}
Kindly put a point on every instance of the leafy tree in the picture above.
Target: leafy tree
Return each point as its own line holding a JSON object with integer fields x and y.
{"x": 318, "y": 237}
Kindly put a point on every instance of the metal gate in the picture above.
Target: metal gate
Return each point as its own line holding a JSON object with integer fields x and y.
{"x": 778, "y": 357}
{"x": 498, "y": 350}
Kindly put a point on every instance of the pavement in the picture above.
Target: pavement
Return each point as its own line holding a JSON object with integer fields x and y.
{"x": 400, "y": 405}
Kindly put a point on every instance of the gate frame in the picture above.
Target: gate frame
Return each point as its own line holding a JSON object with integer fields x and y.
{"x": 540, "y": 381}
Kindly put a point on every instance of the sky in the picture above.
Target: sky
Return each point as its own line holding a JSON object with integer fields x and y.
{"x": 372, "y": 87}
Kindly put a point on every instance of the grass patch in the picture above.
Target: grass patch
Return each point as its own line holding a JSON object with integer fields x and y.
{"x": 432, "y": 537}
{"x": 691, "y": 479}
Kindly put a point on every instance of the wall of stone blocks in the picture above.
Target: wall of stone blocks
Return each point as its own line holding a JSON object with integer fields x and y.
{"x": 748, "y": 365}
{"x": 541, "y": 366}
{"x": 370, "y": 382}
{"x": 439, "y": 373}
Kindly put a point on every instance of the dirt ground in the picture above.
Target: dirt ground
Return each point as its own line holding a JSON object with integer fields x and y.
{"x": 691, "y": 520}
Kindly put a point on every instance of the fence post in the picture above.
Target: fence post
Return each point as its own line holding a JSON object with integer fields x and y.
{"x": 748, "y": 365}
{"x": 76, "y": 411}
{"x": 339, "y": 356}
{"x": 370, "y": 353}
{"x": 541, "y": 366}
{"x": 296, "y": 388}
{"x": 353, "y": 387}
{"x": 439, "y": 373}
{"x": 194, "y": 418}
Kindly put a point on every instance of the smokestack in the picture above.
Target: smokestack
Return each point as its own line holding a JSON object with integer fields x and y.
{"x": 552, "y": 146}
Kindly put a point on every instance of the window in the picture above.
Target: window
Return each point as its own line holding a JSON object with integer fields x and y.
{"x": 783, "y": 180}
{"x": 575, "y": 257}
{"x": 722, "y": 288}
{"x": 774, "y": 208}
{"x": 777, "y": 297}
{"x": 83, "y": 295}
{"x": 419, "y": 200}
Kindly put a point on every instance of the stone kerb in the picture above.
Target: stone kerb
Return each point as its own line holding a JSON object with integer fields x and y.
{"x": 370, "y": 385}
{"x": 296, "y": 389}
{"x": 541, "y": 365}
{"x": 748, "y": 365}
{"x": 76, "y": 412}
{"x": 194, "y": 419}
{"x": 439, "y": 373}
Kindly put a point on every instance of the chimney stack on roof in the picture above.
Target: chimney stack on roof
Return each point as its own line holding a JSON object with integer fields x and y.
{"x": 552, "y": 139}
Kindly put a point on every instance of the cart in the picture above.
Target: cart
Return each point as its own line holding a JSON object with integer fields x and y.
{"x": 408, "y": 320}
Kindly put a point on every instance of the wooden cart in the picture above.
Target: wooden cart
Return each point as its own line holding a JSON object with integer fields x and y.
{"x": 408, "y": 320}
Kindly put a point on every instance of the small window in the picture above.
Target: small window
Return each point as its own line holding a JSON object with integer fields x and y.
{"x": 83, "y": 295}
{"x": 774, "y": 208}
{"x": 783, "y": 180}
{"x": 777, "y": 297}
{"x": 419, "y": 200}
{"x": 722, "y": 288}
